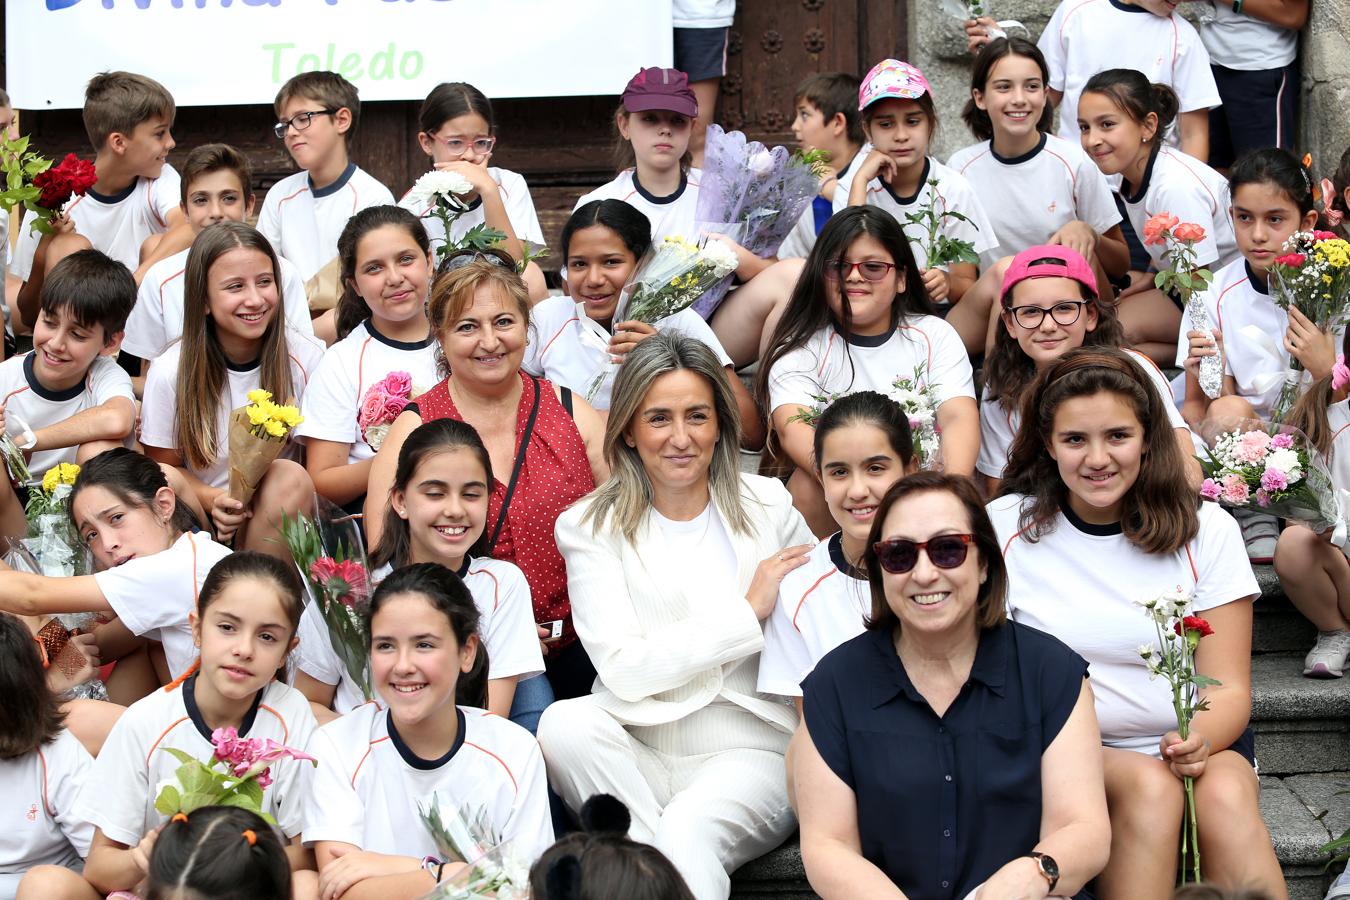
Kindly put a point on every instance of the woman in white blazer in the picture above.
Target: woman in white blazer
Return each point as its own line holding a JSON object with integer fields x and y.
{"x": 672, "y": 565}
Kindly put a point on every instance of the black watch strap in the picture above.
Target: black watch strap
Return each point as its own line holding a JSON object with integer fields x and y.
{"x": 1048, "y": 867}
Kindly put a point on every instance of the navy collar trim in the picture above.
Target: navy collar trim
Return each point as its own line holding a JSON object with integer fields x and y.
{"x": 1025, "y": 157}
{"x": 398, "y": 345}
{"x": 845, "y": 167}
{"x": 867, "y": 340}
{"x": 1123, "y": 7}
{"x": 1136, "y": 195}
{"x": 46, "y": 393}
{"x": 923, "y": 180}
{"x": 412, "y": 758}
{"x": 336, "y": 186}
{"x": 1108, "y": 530}
{"x": 660, "y": 201}
{"x": 1259, "y": 284}
{"x": 117, "y": 197}
{"x": 242, "y": 367}
{"x": 836, "y": 548}
{"x": 195, "y": 714}
{"x": 989, "y": 668}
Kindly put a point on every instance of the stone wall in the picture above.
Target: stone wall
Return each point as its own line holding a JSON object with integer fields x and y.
{"x": 938, "y": 48}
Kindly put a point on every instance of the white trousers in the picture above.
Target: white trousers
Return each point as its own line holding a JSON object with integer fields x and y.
{"x": 709, "y": 813}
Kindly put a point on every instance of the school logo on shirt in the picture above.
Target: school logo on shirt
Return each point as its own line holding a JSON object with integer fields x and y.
{"x": 32, "y": 813}
{"x": 1053, "y": 205}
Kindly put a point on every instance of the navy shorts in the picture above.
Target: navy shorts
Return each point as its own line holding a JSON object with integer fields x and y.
{"x": 701, "y": 53}
{"x": 1258, "y": 112}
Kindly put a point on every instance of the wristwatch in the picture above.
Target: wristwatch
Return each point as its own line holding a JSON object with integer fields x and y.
{"x": 1048, "y": 867}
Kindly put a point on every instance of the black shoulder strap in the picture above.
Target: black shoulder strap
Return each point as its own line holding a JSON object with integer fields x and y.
{"x": 566, "y": 397}
{"x": 515, "y": 470}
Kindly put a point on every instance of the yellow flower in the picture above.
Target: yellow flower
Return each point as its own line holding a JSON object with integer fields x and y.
{"x": 69, "y": 472}
{"x": 290, "y": 415}
{"x": 258, "y": 395}
{"x": 62, "y": 473}
{"x": 275, "y": 428}
{"x": 257, "y": 414}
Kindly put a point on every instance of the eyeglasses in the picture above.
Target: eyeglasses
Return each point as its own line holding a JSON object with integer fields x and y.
{"x": 1065, "y": 312}
{"x": 946, "y": 551}
{"x": 870, "y": 269}
{"x": 461, "y": 258}
{"x": 481, "y": 146}
{"x": 300, "y": 121}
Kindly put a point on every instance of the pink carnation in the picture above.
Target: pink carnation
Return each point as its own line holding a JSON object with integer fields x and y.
{"x": 1252, "y": 448}
{"x": 1282, "y": 442}
{"x": 1235, "y": 490}
{"x": 1209, "y": 489}
{"x": 1274, "y": 480}
{"x": 1324, "y": 235}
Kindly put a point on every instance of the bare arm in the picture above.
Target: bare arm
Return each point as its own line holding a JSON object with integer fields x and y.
{"x": 334, "y": 477}
{"x": 115, "y": 867}
{"x": 501, "y": 691}
{"x": 26, "y": 594}
{"x": 111, "y": 420}
{"x": 591, "y": 425}
{"x": 353, "y": 874}
{"x": 1193, "y": 129}
{"x": 959, "y": 420}
{"x": 797, "y": 438}
{"x": 1226, "y": 656}
{"x": 319, "y": 695}
{"x": 1113, "y": 253}
{"x": 177, "y": 237}
{"x": 1291, "y": 14}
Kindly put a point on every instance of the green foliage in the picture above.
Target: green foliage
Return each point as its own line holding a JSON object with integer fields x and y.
{"x": 20, "y": 165}
{"x": 940, "y": 249}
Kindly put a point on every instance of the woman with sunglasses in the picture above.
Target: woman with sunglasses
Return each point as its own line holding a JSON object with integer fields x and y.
{"x": 858, "y": 320}
{"x": 946, "y": 750}
{"x": 673, "y": 564}
{"x": 544, "y": 443}
{"x": 1048, "y": 306}
{"x": 1095, "y": 518}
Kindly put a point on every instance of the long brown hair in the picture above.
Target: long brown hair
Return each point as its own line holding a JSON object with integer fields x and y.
{"x": 202, "y": 366}
{"x": 1310, "y": 412}
{"x": 1159, "y": 512}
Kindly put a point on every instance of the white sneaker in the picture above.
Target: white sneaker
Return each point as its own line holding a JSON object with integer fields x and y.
{"x": 1327, "y": 658}
{"x": 1259, "y": 533}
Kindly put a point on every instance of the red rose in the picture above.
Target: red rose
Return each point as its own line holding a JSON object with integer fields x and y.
{"x": 1324, "y": 235}
{"x": 1193, "y": 623}
{"x": 72, "y": 177}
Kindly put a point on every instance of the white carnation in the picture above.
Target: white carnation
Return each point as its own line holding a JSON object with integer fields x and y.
{"x": 1284, "y": 459}
{"x": 720, "y": 256}
{"x": 438, "y": 184}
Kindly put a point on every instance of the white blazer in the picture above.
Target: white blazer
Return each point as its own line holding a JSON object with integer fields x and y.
{"x": 662, "y": 650}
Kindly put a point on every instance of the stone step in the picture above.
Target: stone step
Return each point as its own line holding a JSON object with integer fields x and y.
{"x": 1302, "y": 724}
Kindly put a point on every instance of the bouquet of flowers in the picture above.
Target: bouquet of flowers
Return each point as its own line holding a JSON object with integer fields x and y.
{"x": 1313, "y": 276}
{"x": 965, "y": 10}
{"x": 258, "y": 434}
{"x": 328, "y": 552}
{"x": 31, "y": 181}
{"x": 918, "y": 400}
{"x": 51, "y": 535}
{"x": 678, "y": 275}
{"x": 384, "y": 401}
{"x": 493, "y": 868}
{"x": 1178, "y": 240}
{"x": 939, "y": 249}
{"x": 442, "y": 193}
{"x": 237, "y": 773}
{"x": 1174, "y": 659}
{"x": 1267, "y": 468}
{"x": 760, "y": 193}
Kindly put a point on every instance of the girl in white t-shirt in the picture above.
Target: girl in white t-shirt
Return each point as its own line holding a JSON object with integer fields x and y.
{"x": 382, "y": 766}
{"x": 863, "y": 445}
{"x": 858, "y": 320}
{"x": 234, "y": 341}
{"x": 437, "y": 512}
{"x": 1049, "y": 306}
{"x": 900, "y": 177}
{"x": 458, "y": 135}
{"x": 1122, "y": 119}
{"x": 382, "y": 328}
{"x": 1096, "y": 516}
{"x": 42, "y": 768}
{"x": 151, "y": 564}
{"x": 244, "y": 625}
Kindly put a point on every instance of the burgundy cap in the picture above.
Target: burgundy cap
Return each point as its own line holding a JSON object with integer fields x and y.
{"x": 1068, "y": 264}
{"x": 666, "y": 89}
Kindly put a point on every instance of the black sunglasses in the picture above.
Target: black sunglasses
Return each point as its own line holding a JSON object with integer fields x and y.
{"x": 946, "y": 551}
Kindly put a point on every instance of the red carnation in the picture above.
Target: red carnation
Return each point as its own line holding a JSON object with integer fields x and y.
{"x": 1193, "y": 623}
{"x": 1324, "y": 235}
{"x": 1293, "y": 260}
{"x": 72, "y": 177}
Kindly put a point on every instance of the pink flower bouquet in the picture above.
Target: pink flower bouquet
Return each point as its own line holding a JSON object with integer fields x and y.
{"x": 1267, "y": 468}
{"x": 383, "y": 402}
{"x": 237, "y": 774}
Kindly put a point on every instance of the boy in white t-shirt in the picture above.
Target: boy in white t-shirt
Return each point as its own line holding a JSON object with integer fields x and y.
{"x": 128, "y": 118}
{"x": 304, "y": 213}
{"x": 217, "y": 186}
{"x": 67, "y": 400}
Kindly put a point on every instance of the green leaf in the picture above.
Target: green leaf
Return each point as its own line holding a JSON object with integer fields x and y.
{"x": 240, "y": 801}
{"x": 1204, "y": 681}
{"x": 179, "y": 755}
{"x": 195, "y": 801}
{"x": 169, "y": 801}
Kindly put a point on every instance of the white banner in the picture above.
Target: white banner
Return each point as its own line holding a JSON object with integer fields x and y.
{"x": 220, "y": 52}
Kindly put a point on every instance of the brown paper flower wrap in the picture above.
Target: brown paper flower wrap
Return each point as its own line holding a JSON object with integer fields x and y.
{"x": 258, "y": 434}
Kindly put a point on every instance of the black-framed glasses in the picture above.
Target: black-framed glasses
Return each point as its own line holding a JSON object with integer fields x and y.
{"x": 946, "y": 551}
{"x": 1064, "y": 313}
{"x": 300, "y": 121}
{"x": 461, "y": 258}
{"x": 458, "y": 147}
{"x": 870, "y": 269}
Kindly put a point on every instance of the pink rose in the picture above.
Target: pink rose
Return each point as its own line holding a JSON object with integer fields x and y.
{"x": 372, "y": 408}
{"x": 398, "y": 384}
{"x": 1235, "y": 490}
{"x": 1282, "y": 442}
{"x": 1209, "y": 489}
{"x": 1188, "y": 232}
{"x": 393, "y": 405}
{"x": 1252, "y": 448}
{"x": 1156, "y": 228}
{"x": 1274, "y": 480}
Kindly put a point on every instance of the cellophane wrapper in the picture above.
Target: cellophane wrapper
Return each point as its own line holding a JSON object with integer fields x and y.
{"x": 493, "y": 867}
{"x": 745, "y": 183}
{"x": 1310, "y": 499}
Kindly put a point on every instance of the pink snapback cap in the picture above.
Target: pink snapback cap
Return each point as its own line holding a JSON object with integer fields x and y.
{"x": 1064, "y": 262}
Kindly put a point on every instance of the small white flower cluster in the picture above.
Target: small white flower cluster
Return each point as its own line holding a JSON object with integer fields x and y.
{"x": 1167, "y": 606}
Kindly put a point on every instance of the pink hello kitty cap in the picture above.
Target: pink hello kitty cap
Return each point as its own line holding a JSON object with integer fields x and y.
{"x": 892, "y": 78}
{"x": 1065, "y": 263}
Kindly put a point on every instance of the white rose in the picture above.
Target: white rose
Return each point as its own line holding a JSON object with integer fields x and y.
{"x": 761, "y": 164}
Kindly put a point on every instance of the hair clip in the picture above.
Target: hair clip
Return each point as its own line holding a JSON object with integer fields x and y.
{"x": 178, "y": 817}
{"x": 251, "y": 837}
{"x": 1304, "y": 168}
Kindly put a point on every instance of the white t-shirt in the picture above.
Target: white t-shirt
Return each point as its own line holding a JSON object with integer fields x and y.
{"x": 505, "y": 623}
{"x": 954, "y": 193}
{"x": 700, "y": 548}
{"x": 821, "y": 366}
{"x": 157, "y": 319}
{"x": 153, "y": 595}
{"x": 1240, "y": 41}
{"x": 999, "y": 424}
{"x": 1030, "y": 197}
{"x": 42, "y": 788}
{"x": 802, "y": 237}
{"x": 702, "y": 13}
{"x": 676, "y": 214}
{"x": 303, "y": 223}
{"x": 820, "y": 605}
{"x": 159, "y": 407}
{"x": 23, "y": 396}
{"x": 570, "y": 349}
{"x": 1085, "y": 37}
{"x": 116, "y": 225}
{"x": 332, "y": 400}
{"x": 369, "y": 784}
{"x": 119, "y": 795}
{"x": 515, "y": 197}
{"x": 1193, "y": 192}
{"x": 1080, "y": 582}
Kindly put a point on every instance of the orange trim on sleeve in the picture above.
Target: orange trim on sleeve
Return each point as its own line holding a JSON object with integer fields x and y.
{"x": 514, "y": 786}
{"x": 1008, "y": 546}
{"x": 285, "y": 730}
{"x": 496, "y": 585}
{"x": 360, "y": 372}
{"x": 5, "y": 401}
{"x": 928, "y": 369}
{"x": 549, "y": 342}
{"x": 292, "y": 196}
{"x": 161, "y": 288}
{"x": 304, "y": 373}
{"x": 1218, "y": 304}
{"x": 800, "y": 603}
{"x": 46, "y": 804}
{"x": 163, "y": 734}
{"x": 364, "y": 757}
{"x": 1195, "y": 573}
{"x": 1073, "y": 176}
{"x": 975, "y": 158}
